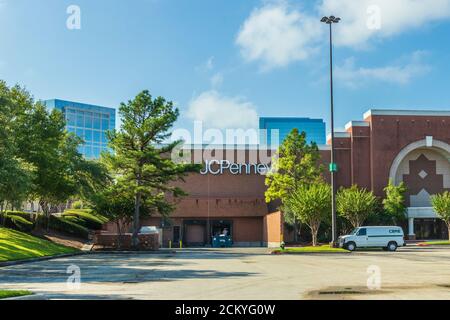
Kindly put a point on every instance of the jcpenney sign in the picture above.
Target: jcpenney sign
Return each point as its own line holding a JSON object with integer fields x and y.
{"x": 216, "y": 167}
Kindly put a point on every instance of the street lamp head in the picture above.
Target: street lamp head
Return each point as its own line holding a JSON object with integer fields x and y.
{"x": 330, "y": 20}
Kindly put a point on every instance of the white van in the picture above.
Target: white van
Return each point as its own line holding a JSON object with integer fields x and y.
{"x": 388, "y": 238}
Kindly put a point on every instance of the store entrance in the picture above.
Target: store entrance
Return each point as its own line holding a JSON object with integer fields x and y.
{"x": 219, "y": 227}
{"x": 194, "y": 234}
{"x": 430, "y": 229}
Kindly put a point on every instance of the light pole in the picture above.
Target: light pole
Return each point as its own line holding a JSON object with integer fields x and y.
{"x": 333, "y": 166}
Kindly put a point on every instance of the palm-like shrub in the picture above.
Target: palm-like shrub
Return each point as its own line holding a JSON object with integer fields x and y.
{"x": 311, "y": 204}
{"x": 355, "y": 204}
{"x": 441, "y": 204}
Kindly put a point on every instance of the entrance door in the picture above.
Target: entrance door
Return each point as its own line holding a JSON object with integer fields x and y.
{"x": 195, "y": 235}
{"x": 176, "y": 235}
{"x": 429, "y": 229}
{"x": 219, "y": 227}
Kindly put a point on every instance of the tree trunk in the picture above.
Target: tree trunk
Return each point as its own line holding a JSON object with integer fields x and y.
{"x": 46, "y": 211}
{"x": 314, "y": 237}
{"x": 448, "y": 228}
{"x": 314, "y": 231}
{"x": 2, "y": 215}
{"x": 119, "y": 235}
{"x": 135, "y": 237}
{"x": 295, "y": 230}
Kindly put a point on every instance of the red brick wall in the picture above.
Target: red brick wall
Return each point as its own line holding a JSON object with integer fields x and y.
{"x": 390, "y": 134}
{"x": 248, "y": 229}
{"x": 360, "y": 157}
{"x": 110, "y": 240}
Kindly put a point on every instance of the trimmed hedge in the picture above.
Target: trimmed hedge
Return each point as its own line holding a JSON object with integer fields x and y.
{"x": 86, "y": 218}
{"x": 18, "y": 223}
{"x": 67, "y": 226}
{"x": 25, "y": 215}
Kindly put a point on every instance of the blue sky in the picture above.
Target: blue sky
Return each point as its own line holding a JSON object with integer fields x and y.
{"x": 227, "y": 62}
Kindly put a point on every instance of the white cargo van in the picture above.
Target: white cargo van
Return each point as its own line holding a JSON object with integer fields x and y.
{"x": 388, "y": 238}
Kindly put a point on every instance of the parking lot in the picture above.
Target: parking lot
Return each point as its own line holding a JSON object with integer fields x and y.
{"x": 410, "y": 273}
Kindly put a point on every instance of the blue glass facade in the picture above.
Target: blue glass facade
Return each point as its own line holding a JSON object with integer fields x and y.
{"x": 314, "y": 128}
{"x": 89, "y": 122}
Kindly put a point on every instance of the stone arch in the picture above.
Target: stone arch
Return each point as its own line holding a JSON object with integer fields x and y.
{"x": 437, "y": 145}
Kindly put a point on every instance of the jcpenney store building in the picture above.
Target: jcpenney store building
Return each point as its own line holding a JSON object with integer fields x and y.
{"x": 227, "y": 194}
{"x": 408, "y": 146}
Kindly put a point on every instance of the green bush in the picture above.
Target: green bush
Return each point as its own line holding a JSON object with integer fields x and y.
{"x": 25, "y": 215}
{"x": 66, "y": 226}
{"x": 18, "y": 223}
{"x": 76, "y": 220}
{"x": 86, "y": 218}
{"x": 77, "y": 205}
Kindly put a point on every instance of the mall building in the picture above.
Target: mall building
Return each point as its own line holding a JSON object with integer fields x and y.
{"x": 408, "y": 146}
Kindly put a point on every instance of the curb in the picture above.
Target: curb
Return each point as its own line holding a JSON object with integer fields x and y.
{"x": 17, "y": 262}
{"x": 27, "y": 297}
{"x": 134, "y": 252}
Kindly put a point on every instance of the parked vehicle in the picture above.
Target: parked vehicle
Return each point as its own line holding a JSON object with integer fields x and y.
{"x": 222, "y": 241}
{"x": 388, "y": 238}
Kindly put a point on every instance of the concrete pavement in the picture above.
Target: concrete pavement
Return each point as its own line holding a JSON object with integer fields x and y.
{"x": 410, "y": 273}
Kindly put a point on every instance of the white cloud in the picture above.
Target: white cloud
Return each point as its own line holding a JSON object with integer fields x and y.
{"x": 221, "y": 112}
{"x": 217, "y": 80}
{"x": 359, "y": 18}
{"x": 209, "y": 64}
{"x": 277, "y": 35}
{"x": 400, "y": 73}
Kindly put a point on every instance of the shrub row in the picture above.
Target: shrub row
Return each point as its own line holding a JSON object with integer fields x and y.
{"x": 86, "y": 218}
{"x": 18, "y": 222}
{"x": 65, "y": 225}
{"x": 76, "y": 222}
{"x": 25, "y": 215}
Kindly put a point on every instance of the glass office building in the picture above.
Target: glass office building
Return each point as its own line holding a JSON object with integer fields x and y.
{"x": 314, "y": 128}
{"x": 89, "y": 122}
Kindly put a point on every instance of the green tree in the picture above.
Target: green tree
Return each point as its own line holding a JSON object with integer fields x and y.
{"x": 117, "y": 205}
{"x": 311, "y": 204}
{"x": 49, "y": 148}
{"x": 60, "y": 171}
{"x": 296, "y": 163}
{"x": 394, "y": 202}
{"x": 140, "y": 161}
{"x": 15, "y": 174}
{"x": 38, "y": 157}
{"x": 441, "y": 205}
{"x": 355, "y": 204}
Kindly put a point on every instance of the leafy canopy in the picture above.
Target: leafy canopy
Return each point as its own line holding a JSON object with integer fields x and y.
{"x": 441, "y": 204}
{"x": 355, "y": 204}
{"x": 140, "y": 161}
{"x": 394, "y": 202}
{"x": 295, "y": 163}
{"x": 311, "y": 204}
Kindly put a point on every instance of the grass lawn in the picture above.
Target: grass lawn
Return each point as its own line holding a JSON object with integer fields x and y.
{"x": 13, "y": 293}
{"x": 320, "y": 249}
{"x": 436, "y": 243}
{"x": 15, "y": 245}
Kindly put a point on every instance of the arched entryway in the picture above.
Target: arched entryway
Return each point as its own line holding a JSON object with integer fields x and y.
{"x": 424, "y": 166}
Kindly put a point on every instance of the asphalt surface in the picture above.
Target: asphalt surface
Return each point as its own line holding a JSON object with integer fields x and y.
{"x": 253, "y": 273}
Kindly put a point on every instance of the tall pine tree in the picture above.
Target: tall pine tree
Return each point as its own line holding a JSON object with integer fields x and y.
{"x": 141, "y": 161}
